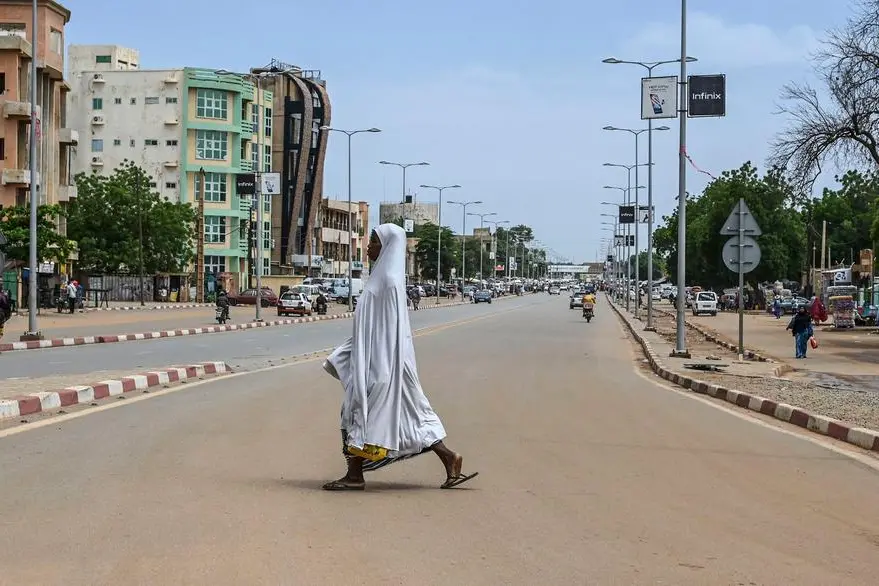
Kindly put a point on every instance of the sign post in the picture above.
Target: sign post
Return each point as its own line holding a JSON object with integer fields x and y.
{"x": 741, "y": 253}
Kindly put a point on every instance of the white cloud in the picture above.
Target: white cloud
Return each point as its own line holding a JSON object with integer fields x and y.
{"x": 729, "y": 44}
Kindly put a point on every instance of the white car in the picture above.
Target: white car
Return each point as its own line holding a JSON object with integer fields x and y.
{"x": 294, "y": 303}
{"x": 705, "y": 302}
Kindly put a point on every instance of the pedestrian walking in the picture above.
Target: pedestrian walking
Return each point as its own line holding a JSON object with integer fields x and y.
{"x": 801, "y": 328}
{"x": 385, "y": 415}
{"x": 776, "y": 308}
{"x": 5, "y": 309}
{"x": 71, "y": 295}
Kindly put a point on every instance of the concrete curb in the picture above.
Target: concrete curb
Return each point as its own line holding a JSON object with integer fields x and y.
{"x": 149, "y": 307}
{"x": 75, "y": 395}
{"x": 88, "y": 340}
{"x": 858, "y": 436}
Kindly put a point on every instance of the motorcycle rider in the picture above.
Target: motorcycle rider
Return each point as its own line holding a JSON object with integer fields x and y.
{"x": 320, "y": 304}
{"x": 589, "y": 297}
{"x": 223, "y": 302}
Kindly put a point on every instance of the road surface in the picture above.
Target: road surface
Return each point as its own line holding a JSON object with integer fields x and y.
{"x": 590, "y": 474}
{"x": 241, "y": 349}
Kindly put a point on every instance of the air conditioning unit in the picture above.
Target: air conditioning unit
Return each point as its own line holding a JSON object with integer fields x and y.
{"x": 97, "y": 119}
{"x": 99, "y": 77}
{"x": 97, "y": 160}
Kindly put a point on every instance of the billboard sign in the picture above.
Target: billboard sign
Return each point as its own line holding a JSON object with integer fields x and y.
{"x": 706, "y": 96}
{"x": 659, "y": 97}
{"x": 627, "y": 215}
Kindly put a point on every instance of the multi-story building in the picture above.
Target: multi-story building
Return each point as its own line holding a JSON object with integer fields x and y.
{"x": 337, "y": 237}
{"x": 301, "y": 107}
{"x": 173, "y": 123}
{"x": 419, "y": 213}
{"x": 54, "y": 136}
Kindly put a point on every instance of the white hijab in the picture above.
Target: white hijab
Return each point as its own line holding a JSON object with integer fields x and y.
{"x": 384, "y": 404}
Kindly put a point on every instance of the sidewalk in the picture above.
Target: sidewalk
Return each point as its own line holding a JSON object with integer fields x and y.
{"x": 847, "y": 414}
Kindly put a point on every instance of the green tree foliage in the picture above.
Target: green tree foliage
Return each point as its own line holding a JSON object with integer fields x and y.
{"x": 849, "y": 211}
{"x": 105, "y": 219}
{"x": 15, "y": 226}
{"x": 658, "y": 265}
{"x": 770, "y": 199}
{"x": 426, "y": 250}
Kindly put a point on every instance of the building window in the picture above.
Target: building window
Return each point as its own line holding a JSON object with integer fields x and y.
{"x": 152, "y": 184}
{"x": 266, "y": 235}
{"x": 56, "y": 42}
{"x": 214, "y": 186}
{"x": 117, "y": 142}
{"x": 254, "y": 156}
{"x": 296, "y": 129}
{"x": 2, "y": 82}
{"x": 211, "y": 104}
{"x": 267, "y": 203}
{"x": 170, "y": 100}
{"x": 267, "y": 158}
{"x": 211, "y": 145}
{"x": 103, "y": 59}
{"x": 117, "y": 100}
{"x": 214, "y": 264}
{"x": 132, "y": 143}
{"x": 97, "y": 145}
{"x": 170, "y": 185}
{"x": 151, "y": 142}
{"x": 315, "y": 132}
{"x": 315, "y": 99}
{"x": 266, "y": 266}
{"x": 268, "y": 122}
{"x": 97, "y": 103}
{"x": 214, "y": 229}
{"x": 133, "y": 101}
{"x": 171, "y": 143}
{"x": 254, "y": 117}
{"x": 151, "y": 100}
{"x": 2, "y": 149}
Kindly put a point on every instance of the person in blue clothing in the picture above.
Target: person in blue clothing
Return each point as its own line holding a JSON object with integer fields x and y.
{"x": 801, "y": 328}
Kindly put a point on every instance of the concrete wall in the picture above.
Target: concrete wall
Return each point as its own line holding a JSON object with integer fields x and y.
{"x": 420, "y": 212}
{"x": 85, "y": 58}
{"x": 127, "y": 126}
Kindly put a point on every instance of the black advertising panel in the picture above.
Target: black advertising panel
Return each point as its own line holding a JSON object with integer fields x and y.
{"x": 609, "y": 258}
{"x": 707, "y": 96}
{"x": 245, "y": 183}
{"x": 627, "y": 215}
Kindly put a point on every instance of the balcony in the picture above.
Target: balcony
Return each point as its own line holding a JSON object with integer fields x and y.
{"x": 13, "y": 42}
{"x": 246, "y": 166}
{"x": 16, "y": 177}
{"x": 18, "y": 110}
{"x": 247, "y": 128}
{"x": 68, "y": 136}
{"x": 66, "y": 193}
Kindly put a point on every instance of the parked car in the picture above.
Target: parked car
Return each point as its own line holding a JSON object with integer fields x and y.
{"x": 294, "y": 303}
{"x": 482, "y": 295}
{"x": 705, "y": 302}
{"x": 248, "y": 297}
{"x": 555, "y": 291}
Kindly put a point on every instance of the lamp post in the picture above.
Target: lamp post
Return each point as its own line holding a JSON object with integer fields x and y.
{"x": 33, "y": 283}
{"x": 349, "y": 133}
{"x": 464, "y": 205}
{"x": 628, "y": 169}
{"x": 494, "y": 244}
{"x": 509, "y": 269}
{"x": 636, "y": 133}
{"x": 650, "y": 66}
{"x": 405, "y": 166}
{"x": 439, "y": 232}
{"x": 481, "y": 226}
{"x": 615, "y": 225}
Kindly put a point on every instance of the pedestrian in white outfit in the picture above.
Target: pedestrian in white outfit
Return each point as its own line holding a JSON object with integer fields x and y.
{"x": 385, "y": 414}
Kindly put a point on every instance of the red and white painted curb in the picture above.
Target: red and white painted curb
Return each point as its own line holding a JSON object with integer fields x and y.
{"x": 49, "y": 400}
{"x": 150, "y": 307}
{"x": 858, "y": 436}
{"x": 87, "y": 340}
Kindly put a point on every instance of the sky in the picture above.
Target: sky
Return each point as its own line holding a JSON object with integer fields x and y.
{"x": 504, "y": 97}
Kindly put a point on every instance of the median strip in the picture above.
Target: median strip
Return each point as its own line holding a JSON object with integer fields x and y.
{"x": 32, "y": 403}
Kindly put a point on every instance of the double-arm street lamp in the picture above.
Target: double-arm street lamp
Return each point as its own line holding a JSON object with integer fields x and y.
{"x": 464, "y": 205}
{"x": 494, "y": 244}
{"x": 405, "y": 166}
{"x": 349, "y": 133}
{"x": 481, "y": 226}
{"x": 439, "y": 232}
{"x": 681, "y": 337}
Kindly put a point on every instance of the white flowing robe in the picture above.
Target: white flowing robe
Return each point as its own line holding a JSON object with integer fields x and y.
{"x": 384, "y": 403}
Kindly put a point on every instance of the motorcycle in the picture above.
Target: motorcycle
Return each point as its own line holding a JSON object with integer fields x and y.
{"x": 222, "y": 315}
{"x": 320, "y": 308}
{"x": 588, "y": 312}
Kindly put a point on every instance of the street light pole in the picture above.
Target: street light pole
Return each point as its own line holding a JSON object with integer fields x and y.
{"x": 481, "y": 226}
{"x": 439, "y": 233}
{"x": 649, "y": 66}
{"x": 494, "y": 245}
{"x": 464, "y": 205}
{"x": 681, "y": 333}
{"x": 349, "y": 133}
{"x": 405, "y": 166}
{"x": 33, "y": 283}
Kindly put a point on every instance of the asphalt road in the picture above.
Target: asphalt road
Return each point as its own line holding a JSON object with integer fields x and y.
{"x": 241, "y": 349}
{"x": 590, "y": 474}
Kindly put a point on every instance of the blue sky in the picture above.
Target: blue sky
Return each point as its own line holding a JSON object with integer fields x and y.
{"x": 505, "y": 97}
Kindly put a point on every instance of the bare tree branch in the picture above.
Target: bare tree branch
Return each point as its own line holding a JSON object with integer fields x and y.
{"x": 845, "y": 130}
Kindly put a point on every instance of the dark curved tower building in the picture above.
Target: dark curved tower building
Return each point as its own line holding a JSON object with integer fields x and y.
{"x": 301, "y": 107}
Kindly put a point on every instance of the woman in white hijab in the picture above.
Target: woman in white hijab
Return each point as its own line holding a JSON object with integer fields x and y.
{"x": 385, "y": 415}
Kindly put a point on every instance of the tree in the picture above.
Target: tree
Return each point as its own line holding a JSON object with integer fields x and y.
{"x": 15, "y": 226}
{"x": 105, "y": 219}
{"x": 849, "y": 212}
{"x": 426, "y": 250}
{"x": 847, "y": 128}
{"x": 770, "y": 199}
{"x": 658, "y": 265}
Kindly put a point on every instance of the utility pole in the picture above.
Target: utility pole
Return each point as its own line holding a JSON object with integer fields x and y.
{"x": 140, "y": 235}
{"x": 33, "y": 283}
{"x": 199, "y": 259}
